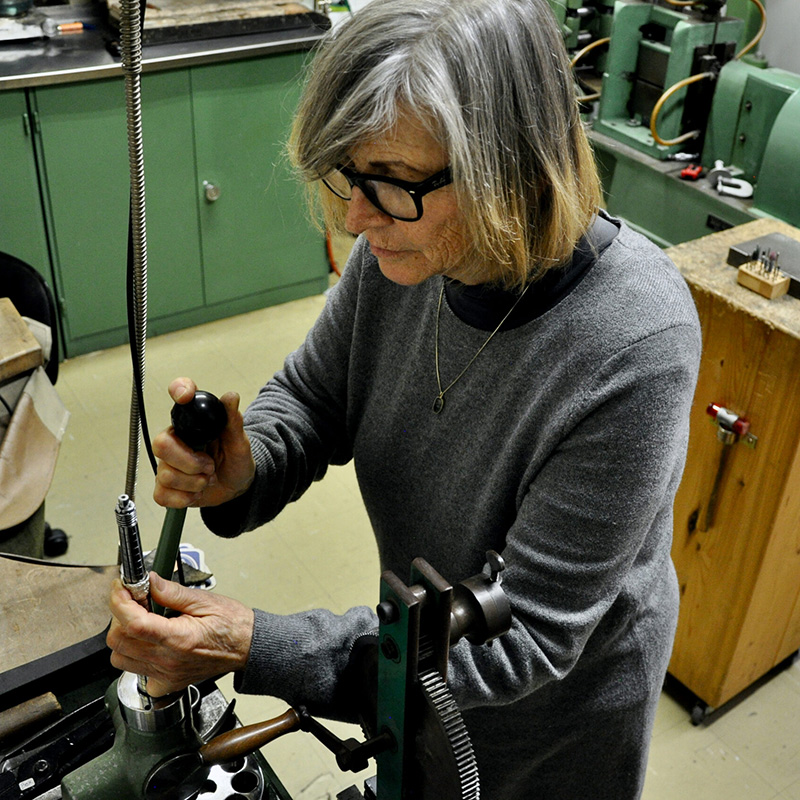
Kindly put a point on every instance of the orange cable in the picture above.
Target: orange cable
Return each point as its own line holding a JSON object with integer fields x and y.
{"x": 664, "y": 97}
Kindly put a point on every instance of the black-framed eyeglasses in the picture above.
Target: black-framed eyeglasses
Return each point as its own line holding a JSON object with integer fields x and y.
{"x": 398, "y": 199}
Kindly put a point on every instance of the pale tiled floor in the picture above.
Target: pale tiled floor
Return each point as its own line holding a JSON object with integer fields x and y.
{"x": 320, "y": 552}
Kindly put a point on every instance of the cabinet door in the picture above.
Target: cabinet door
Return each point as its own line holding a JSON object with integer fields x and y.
{"x": 22, "y": 231}
{"x": 85, "y": 154}
{"x": 256, "y": 235}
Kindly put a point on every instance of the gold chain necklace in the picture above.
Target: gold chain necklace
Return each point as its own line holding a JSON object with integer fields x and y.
{"x": 438, "y": 403}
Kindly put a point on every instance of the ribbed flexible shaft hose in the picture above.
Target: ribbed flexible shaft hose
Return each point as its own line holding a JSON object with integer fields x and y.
{"x": 131, "y": 55}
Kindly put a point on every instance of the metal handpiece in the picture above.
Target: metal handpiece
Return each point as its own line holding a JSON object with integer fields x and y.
{"x": 134, "y": 573}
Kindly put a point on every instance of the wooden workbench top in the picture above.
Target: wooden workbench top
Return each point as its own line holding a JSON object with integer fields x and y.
{"x": 171, "y": 13}
{"x": 46, "y": 608}
{"x": 703, "y": 262}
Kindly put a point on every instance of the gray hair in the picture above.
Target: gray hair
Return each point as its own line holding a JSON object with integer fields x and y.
{"x": 492, "y": 82}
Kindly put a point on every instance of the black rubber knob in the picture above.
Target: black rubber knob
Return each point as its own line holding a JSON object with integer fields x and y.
{"x": 199, "y": 421}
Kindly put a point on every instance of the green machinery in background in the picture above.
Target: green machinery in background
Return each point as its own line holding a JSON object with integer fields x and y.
{"x": 669, "y": 83}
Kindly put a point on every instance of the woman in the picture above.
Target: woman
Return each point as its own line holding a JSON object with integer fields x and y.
{"x": 508, "y": 367}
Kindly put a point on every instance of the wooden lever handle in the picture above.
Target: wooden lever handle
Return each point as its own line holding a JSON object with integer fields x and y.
{"x": 242, "y": 741}
{"x": 31, "y": 711}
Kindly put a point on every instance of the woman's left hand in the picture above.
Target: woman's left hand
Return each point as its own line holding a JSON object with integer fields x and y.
{"x": 211, "y": 637}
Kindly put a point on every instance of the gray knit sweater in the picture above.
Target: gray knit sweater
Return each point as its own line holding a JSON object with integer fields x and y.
{"x": 561, "y": 447}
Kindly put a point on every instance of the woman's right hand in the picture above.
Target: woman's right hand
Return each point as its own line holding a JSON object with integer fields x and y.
{"x": 189, "y": 478}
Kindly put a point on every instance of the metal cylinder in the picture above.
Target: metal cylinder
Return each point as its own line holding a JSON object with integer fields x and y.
{"x": 150, "y": 714}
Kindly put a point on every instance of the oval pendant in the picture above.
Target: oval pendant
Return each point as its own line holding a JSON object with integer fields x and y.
{"x": 438, "y": 404}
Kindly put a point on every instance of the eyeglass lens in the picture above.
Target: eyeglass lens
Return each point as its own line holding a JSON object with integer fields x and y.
{"x": 391, "y": 199}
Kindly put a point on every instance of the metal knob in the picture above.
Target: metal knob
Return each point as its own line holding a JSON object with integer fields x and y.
{"x": 212, "y": 191}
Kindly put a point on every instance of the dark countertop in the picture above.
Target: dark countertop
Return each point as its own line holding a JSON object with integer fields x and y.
{"x": 67, "y": 58}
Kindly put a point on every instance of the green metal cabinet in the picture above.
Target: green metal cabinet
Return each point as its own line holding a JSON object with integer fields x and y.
{"x": 85, "y": 161}
{"x": 227, "y": 228}
{"x": 258, "y": 225}
{"x": 22, "y": 232}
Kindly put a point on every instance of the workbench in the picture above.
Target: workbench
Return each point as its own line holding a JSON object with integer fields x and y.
{"x": 228, "y": 228}
{"x": 739, "y": 576}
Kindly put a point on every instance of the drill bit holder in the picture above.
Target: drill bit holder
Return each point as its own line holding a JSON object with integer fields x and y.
{"x": 766, "y": 280}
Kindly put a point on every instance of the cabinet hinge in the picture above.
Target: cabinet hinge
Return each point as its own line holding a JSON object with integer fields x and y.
{"x": 30, "y": 123}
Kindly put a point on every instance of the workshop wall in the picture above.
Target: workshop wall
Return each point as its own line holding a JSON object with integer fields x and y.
{"x": 779, "y": 42}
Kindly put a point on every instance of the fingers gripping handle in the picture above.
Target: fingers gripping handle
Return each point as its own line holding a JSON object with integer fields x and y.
{"x": 196, "y": 423}
{"x": 199, "y": 421}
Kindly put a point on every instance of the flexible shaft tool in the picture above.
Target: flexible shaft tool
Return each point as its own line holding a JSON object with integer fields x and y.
{"x": 134, "y": 573}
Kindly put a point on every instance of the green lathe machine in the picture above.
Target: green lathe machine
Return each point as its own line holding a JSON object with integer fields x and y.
{"x": 114, "y": 742}
{"x": 693, "y": 132}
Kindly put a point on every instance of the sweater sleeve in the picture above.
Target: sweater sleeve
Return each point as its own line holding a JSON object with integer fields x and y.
{"x": 297, "y": 424}
{"x": 301, "y": 657}
{"x": 593, "y": 529}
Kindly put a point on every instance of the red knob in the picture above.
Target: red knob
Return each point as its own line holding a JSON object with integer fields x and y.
{"x": 727, "y": 419}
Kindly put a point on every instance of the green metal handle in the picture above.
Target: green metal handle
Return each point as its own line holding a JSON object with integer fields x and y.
{"x": 168, "y": 545}
{"x": 196, "y": 423}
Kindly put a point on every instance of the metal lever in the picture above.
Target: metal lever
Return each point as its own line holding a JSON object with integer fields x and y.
{"x": 196, "y": 423}
{"x": 351, "y": 755}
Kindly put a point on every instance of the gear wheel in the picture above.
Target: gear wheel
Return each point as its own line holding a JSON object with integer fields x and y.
{"x": 445, "y": 758}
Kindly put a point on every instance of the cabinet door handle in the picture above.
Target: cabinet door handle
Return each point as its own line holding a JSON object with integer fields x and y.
{"x": 212, "y": 191}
